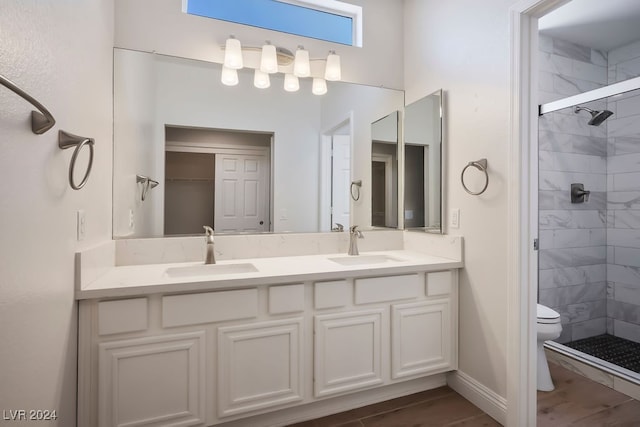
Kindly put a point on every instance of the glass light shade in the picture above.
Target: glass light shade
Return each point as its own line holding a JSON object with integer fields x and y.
{"x": 269, "y": 59}
{"x": 233, "y": 54}
{"x": 261, "y": 80}
{"x": 301, "y": 67}
{"x": 332, "y": 70}
{"x": 229, "y": 76}
{"x": 291, "y": 83}
{"x": 319, "y": 86}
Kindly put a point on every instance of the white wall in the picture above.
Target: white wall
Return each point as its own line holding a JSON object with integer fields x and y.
{"x": 60, "y": 52}
{"x": 463, "y": 47}
{"x": 160, "y": 26}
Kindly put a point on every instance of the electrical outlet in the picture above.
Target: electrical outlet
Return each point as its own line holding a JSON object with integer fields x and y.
{"x": 81, "y": 225}
{"x": 455, "y": 218}
{"x": 131, "y": 220}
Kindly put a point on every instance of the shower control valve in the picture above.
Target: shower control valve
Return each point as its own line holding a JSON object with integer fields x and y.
{"x": 579, "y": 194}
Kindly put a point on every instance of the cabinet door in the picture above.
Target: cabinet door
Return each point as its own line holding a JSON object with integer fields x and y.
{"x": 420, "y": 338}
{"x": 153, "y": 381}
{"x": 347, "y": 351}
{"x": 259, "y": 366}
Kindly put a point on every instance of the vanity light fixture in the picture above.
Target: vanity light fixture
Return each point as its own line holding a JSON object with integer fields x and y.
{"x": 291, "y": 83}
{"x": 301, "y": 66}
{"x": 233, "y": 54}
{"x": 269, "y": 59}
{"x": 229, "y": 76}
{"x": 319, "y": 86}
{"x": 332, "y": 71}
{"x": 261, "y": 79}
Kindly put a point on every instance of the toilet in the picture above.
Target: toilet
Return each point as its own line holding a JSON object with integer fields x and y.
{"x": 548, "y": 328}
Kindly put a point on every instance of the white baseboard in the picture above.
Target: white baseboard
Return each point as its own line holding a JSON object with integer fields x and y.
{"x": 478, "y": 394}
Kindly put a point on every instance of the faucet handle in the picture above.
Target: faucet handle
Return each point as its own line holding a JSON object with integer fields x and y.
{"x": 208, "y": 234}
{"x": 339, "y": 227}
{"x": 354, "y": 230}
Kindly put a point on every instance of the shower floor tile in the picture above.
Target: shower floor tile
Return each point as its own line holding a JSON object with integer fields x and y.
{"x": 618, "y": 351}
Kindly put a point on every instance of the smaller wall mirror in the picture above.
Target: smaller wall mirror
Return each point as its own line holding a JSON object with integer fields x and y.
{"x": 384, "y": 171}
{"x": 423, "y": 164}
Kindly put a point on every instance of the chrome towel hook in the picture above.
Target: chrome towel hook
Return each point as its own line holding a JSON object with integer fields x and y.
{"x": 481, "y": 165}
{"x": 42, "y": 120}
{"x": 68, "y": 140}
{"x": 147, "y": 184}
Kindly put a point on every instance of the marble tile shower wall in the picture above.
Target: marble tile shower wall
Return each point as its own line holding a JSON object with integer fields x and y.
{"x": 623, "y": 199}
{"x": 573, "y": 238}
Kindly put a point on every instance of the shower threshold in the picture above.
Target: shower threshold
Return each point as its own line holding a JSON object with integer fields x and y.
{"x": 613, "y": 355}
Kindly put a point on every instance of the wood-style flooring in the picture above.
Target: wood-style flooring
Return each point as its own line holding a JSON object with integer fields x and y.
{"x": 438, "y": 407}
{"x": 576, "y": 401}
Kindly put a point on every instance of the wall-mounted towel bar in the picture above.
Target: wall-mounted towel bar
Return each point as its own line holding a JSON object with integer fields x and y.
{"x": 41, "y": 121}
{"x": 147, "y": 184}
{"x": 68, "y": 140}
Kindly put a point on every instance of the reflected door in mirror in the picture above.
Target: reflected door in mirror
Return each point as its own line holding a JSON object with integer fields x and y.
{"x": 241, "y": 194}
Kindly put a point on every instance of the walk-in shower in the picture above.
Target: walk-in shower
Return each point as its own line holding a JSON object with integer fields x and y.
{"x": 589, "y": 257}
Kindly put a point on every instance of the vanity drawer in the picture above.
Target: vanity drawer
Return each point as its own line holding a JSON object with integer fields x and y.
{"x": 127, "y": 315}
{"x": 389, "y": 288}
{"x": 439, "y": 283}
{"x": 332, "y": 294}
{"x": 209, "y": 307}
{"x": 286, "y": 299}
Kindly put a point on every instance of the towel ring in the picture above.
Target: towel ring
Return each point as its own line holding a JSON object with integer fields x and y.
{"x": 481, "y": 165}
{"x": 357, "y": 184}
{"x": 68, "y": 140}
{"x": 147, "y": 184}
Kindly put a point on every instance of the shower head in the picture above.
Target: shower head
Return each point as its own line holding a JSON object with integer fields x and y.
{"x": 597, "y": 117}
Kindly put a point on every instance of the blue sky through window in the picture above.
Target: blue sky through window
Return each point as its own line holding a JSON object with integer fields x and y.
{"x": 278, "y": 16}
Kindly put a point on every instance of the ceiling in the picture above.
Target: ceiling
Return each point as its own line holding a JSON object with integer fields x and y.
{"x": 599, "y": 24}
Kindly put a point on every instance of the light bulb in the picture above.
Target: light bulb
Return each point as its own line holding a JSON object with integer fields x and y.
{"x": 261, "y": 80}
{"x": 233, "y": 54}
{"x": 291, "y": 83}
{"x": 269, "y": 59}
{"x": 332, "y": 70}
{"x": 229, "y": 76}
{"x": 301, "y": 67}
{"x": 319, "y": 86}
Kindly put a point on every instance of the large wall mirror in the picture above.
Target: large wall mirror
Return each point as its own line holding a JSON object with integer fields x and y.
{"x": 189, "y": 151}
{"x": 423, "y": 148}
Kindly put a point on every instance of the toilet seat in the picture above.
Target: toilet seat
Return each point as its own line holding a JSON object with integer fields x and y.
{"x": 547, "y": 316}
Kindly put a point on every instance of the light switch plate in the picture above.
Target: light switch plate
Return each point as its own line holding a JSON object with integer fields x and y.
{"x": 81, "y": 225}
{"x": 455, "y": 218}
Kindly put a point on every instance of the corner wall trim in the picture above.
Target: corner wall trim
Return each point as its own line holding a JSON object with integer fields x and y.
{"x": 480, "y": 395}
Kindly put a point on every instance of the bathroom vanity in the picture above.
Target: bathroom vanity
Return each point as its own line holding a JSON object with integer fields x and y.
{"x": 265, "y": 340}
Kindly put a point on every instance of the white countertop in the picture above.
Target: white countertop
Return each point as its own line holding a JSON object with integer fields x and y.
{"x": 152, "y": 278}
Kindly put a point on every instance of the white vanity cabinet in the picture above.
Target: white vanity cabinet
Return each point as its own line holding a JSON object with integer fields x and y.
{"x": 277, "y": 351}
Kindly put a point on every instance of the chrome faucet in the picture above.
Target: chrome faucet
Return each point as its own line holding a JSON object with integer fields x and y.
{"x": 339, "y": 227}
{"x": 211, "y": 256}
{"x": 354, "y": 235}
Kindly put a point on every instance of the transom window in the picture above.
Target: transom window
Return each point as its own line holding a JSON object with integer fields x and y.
{"x": 328, "y": 20}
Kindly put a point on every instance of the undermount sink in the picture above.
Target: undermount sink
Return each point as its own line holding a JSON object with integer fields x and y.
{"x": 210, "y": 269}
{"x": 364, "y": 259}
